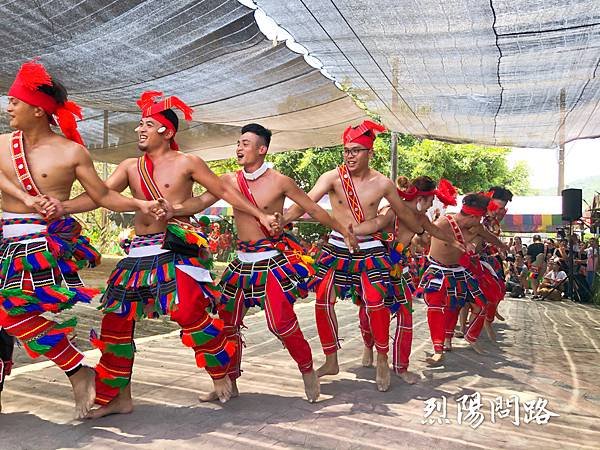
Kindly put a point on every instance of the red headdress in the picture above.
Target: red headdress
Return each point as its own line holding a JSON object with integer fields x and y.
{"x": 154, "y": 109}
{"x": 364, "y": 134}
{"x": 474, "y": 211}
{"x": 30, "y": 77}
{"x": 445, "y": 192}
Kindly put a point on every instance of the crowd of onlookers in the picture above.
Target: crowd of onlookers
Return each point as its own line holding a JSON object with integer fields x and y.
{"x": 541, "y": 268}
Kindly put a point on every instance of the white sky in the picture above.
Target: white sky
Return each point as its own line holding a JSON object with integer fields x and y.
{"x": 582, "y": 159}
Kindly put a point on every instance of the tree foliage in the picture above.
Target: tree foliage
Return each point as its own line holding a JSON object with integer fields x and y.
{"x": 470, "y": 167}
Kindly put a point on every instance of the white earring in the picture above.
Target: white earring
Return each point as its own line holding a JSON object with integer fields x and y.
{"x": 136, "y": 129}
{"x": 161, "y": 130}
{"x": 419, "y": 207}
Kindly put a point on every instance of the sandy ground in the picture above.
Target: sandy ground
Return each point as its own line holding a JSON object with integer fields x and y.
{"x": 547, "y": 351}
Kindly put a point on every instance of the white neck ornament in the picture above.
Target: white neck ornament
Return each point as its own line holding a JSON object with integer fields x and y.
{"x": 257, "y": 173}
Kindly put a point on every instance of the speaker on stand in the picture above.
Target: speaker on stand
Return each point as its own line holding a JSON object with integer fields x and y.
{"x": 571, "y": 212}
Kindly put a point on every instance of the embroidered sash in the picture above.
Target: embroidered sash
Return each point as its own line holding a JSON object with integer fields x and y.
{"x": 245, "y": 189}
{"x": 456, "y": 229}
{"x": 20, "y": 164}
{"x": 146, "y": 172}
{"x": 351, "y": 195}
{"x": 354, "y": 202}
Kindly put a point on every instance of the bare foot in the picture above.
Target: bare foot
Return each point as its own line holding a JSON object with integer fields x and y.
{"x": 382, "y": 377}
{"x": 311, "y": 386}
{"x": 367, "y": 358}
{"x": 121, "y": 404}
{"x": 448, "y": 345}
{"x": 435, "y": 359}
{"x": 475, "y": 346}
{"x": 84, "y": 390}
{"x": 330, "y": 367}
{"x": 490, "y": 331}
{"x": 409, "y": 377}
{"x": 499, "y": 317}
{"x": 212, "y": 396}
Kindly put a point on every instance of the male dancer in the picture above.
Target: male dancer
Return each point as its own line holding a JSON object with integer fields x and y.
{"x": 163, "y": 273}
{"x": 7, "y": 341}
{"x": 37, "y": 255}
{"x": 448, "y": 284}
{"x": 490, "y": 254}
{"x": 355, "y": 191}
{"x": 418, "y": 196}
{"x": 267, "y": 272}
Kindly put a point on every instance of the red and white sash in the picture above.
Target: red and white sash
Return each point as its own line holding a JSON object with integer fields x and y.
{"x": 146, "y": 171}
{"x": 456, "y": 229}
{"x": 20, "y": 164}
{"x": 354, "y": 202}
{"x": 351, "y": 194}
{"x": 245, "y": 189}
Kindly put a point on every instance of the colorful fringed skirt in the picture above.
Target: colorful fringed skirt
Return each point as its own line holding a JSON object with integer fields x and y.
{"x": 372, "y": 259}
{"x": 35, "y": 265}
{"x": 143, "y": 284}
{"x": 39, "y": 264}
{"x": 248, "y": 274}
{"x": 460, "y": 284}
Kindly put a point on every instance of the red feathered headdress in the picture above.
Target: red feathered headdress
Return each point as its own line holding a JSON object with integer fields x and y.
{"x": 364, "y": 134}
{"x": 30, "y": 77}
{"x": 153, "y": 108}
{"x": 446, "y": 192}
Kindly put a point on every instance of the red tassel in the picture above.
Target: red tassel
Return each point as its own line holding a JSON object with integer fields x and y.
{"x": 147, "y": 99}
{"x": 178, "y": 103}
{"x": 67, "y": 123}
{"x": 97, "y": 343}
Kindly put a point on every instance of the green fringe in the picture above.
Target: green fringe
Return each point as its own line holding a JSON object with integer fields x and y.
{"x": 118, "y": 382}
{"x": 120, "y": 350}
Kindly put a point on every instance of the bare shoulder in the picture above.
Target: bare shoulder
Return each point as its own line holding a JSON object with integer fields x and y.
{"x": 128, "y": 163}
{"x": 189, "y": 158}
{"x": 329, "y": 177}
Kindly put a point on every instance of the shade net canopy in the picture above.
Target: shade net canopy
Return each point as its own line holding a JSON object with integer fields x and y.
{"x": 489, "y": 72}
{"x": 209, "y": 53}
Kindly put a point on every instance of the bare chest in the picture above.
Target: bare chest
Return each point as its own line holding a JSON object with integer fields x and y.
{"x": 365, "y": 196}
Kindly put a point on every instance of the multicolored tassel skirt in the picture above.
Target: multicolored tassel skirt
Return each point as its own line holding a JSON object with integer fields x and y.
{"x": 144, "y": 285}
{"x": 461, "y": 285}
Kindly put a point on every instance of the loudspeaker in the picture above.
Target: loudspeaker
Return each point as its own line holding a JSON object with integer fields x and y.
{"x": 571, "y": 204}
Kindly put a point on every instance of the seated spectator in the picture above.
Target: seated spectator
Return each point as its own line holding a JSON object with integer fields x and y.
{"x": 517, "y": 246}
{"x": 553, "y": 282}
{"x": 591, "y": 267}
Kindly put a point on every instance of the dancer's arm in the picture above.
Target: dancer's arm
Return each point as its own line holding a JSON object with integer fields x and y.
{"x": 291, "y": 190}
{"x": 480, "y": 230}
{"x": 38, "y": 203}
{"x": 194, "y": 205}
{"x": 380, "y": 222}
{"x": 117, "y": 182}
{"x": 403, "y": 212}
{"x": 321, "y": 187}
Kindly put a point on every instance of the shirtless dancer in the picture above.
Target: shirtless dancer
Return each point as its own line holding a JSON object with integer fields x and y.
{"x": 490, "y": 254}
{"x": 268, "y": 272}
{"x": 355, "y": 191}
{"x": 38, "y": 256}
{"x": 447, "y": 284}
{"x": 7, "y": 342}
{"x": 154, "y": 280}
{"x": 418, "y": 196}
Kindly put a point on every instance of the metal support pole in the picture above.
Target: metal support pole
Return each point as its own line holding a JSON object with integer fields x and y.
{"x": 105, "y": 165}
{"x": 394, "y": 157}
{"x": 561, "y": 144}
